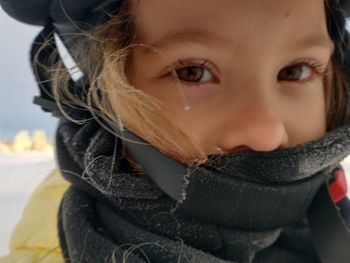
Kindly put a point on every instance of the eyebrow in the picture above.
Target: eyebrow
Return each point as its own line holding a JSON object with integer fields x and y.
{"x": 179, "y": 38}
{"x": 315, "y": 40}
{"x": 182, "y": 37}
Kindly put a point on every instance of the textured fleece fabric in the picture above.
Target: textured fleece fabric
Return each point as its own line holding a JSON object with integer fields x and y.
{"x": 113, "y": 214}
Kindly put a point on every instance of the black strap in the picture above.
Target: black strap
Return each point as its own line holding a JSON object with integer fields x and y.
{"x": 42, "y": 49}
{"x": 43, "y": 55}
{"x": 328, "y": 228}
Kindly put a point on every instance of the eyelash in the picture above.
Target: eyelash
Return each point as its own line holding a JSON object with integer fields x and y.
{"x": 318, "y": 68}
{"x": 183, "y": 63}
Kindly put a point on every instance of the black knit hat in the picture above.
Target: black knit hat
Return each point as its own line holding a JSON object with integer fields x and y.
{"x": 85, "y": 13}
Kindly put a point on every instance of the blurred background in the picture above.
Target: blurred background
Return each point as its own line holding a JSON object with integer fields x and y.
{"x": 17, "y": 85}
{"x": 25, "y": 164}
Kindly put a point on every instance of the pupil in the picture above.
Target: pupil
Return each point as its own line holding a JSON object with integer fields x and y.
{"x": 292, "y": 72}
{"x": 191, "y": 74}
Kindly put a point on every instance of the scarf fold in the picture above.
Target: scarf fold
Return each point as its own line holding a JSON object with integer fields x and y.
{"x": 111, "y": 213}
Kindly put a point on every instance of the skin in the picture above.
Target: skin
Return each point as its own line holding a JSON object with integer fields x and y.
{"x": 247, "y": 98}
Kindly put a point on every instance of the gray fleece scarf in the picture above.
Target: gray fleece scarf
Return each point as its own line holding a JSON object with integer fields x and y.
{"x": 111, "y": 213}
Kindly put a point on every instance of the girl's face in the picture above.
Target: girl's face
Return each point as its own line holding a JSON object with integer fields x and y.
{"x": 251, "y": 71}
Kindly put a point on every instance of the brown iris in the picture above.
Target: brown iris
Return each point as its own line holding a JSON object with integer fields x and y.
{"x": 190, "y": 74}
{"x": 291, "y": 73}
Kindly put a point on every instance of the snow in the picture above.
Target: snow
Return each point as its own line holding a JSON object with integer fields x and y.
{"x": 20, "y": 174}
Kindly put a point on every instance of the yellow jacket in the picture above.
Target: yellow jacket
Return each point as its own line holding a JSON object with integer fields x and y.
{"x": 35, "y": 238}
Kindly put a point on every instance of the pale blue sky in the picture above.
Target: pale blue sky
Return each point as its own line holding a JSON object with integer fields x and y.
{"x": 17, "y": 86}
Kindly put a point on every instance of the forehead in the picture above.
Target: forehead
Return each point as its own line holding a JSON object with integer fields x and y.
{"x": 238, "y": 20}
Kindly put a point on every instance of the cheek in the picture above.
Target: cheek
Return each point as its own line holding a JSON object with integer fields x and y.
{"x": 195, "y": 122}
{"x": 318, "y": 124}
{"x": 171, "y": 102}
{"x": 307, "y": 120}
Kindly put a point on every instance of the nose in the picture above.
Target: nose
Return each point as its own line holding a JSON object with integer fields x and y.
{"x": 256, "y": 125}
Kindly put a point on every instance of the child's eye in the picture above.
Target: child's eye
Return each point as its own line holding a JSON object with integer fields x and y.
{"x": 193, "y": 74}
{"x": 300, "y": 72}
{"x": 297, "y": 72}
